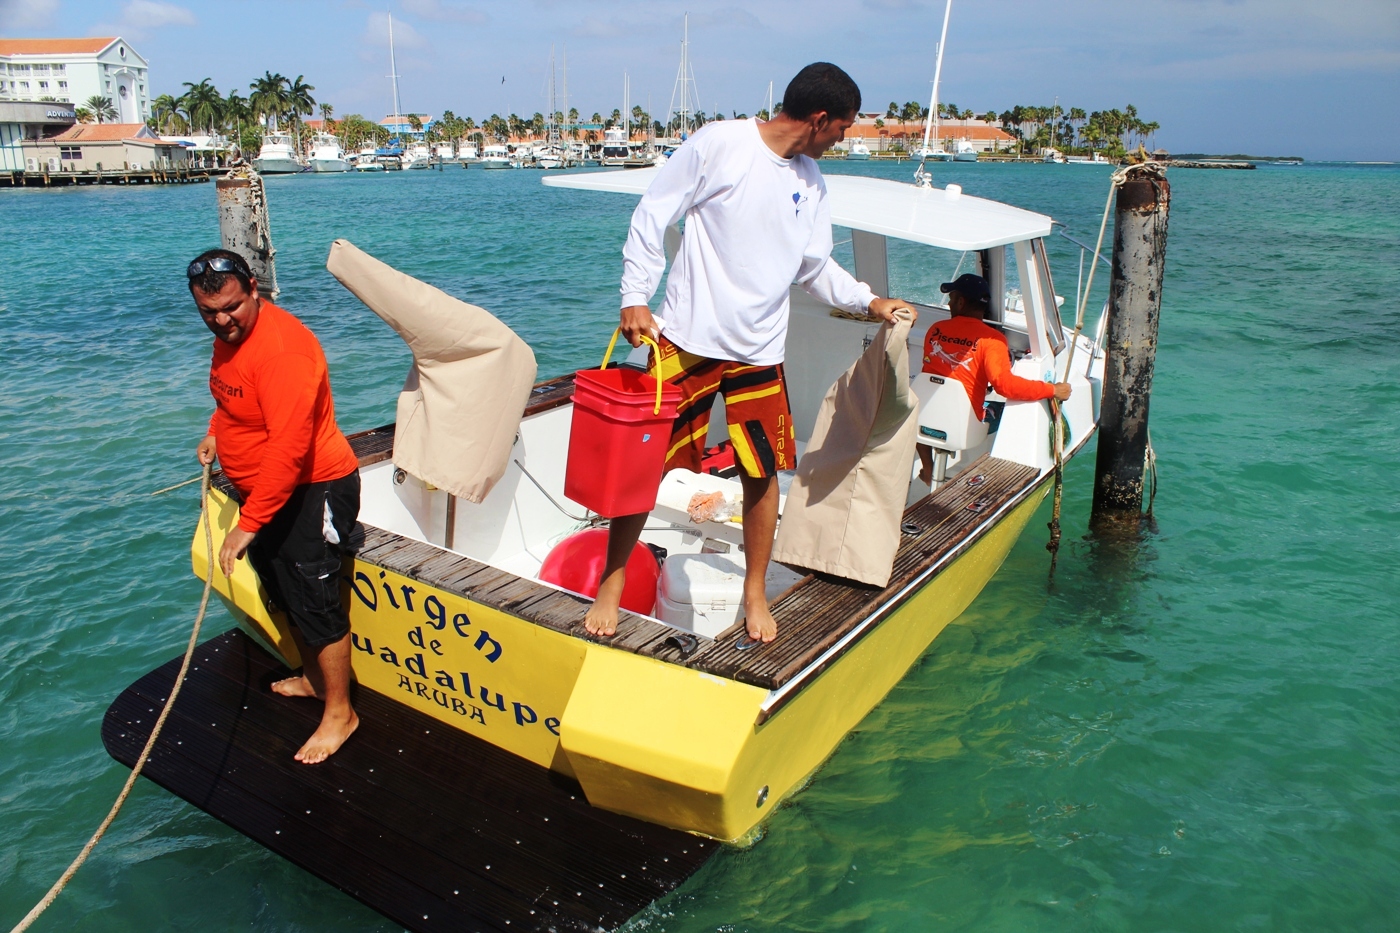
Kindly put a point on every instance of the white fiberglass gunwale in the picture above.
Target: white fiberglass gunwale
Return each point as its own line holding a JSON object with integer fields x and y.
{"x": 932, "y": 216}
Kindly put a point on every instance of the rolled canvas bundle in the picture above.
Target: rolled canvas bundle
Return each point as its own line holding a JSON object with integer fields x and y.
{"x": 845, "y": 506}
{"x": 461, "y": 405}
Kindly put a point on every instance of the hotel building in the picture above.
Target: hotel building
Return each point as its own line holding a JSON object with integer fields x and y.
{"x": 73, "y": 70}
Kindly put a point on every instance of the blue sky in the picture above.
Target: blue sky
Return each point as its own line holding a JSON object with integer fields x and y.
{"x": 1319, "y": 78}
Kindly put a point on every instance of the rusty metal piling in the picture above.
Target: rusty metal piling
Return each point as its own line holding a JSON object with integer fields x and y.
{"x": 244, "y": 225}
{"x": 1135, "y": 304}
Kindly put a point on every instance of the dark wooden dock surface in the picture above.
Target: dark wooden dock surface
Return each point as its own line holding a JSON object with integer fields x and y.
{"x": 431, "y": 827}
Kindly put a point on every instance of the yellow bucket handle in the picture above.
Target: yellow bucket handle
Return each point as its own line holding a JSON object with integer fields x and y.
{"x": 655, "y": 362}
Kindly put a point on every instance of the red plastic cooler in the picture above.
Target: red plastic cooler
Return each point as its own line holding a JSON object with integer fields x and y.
{"x": 617, "y": 445}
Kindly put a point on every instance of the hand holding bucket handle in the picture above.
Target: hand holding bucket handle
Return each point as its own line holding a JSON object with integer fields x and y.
{"x": 655, "y": 362}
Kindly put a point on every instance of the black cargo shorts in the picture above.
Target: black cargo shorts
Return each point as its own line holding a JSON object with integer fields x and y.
{"x": 298, "y": 556}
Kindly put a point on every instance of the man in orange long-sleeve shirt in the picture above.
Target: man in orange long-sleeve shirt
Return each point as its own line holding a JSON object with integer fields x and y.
{"x": 275, "y": 435}
{"x": 975, "y": 354}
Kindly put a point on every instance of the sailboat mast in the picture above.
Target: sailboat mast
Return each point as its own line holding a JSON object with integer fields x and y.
{"x": 549, "y": 121}
{"x": 394, "y": 73}
{"x": 626, "y": 102}
{"x": 685, "y": 77}
{"x": 565, "y": 107}
{"x": 937, "y": 73}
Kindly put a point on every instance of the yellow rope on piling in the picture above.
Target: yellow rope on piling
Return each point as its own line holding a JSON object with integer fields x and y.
{"x": 72, "y": 869}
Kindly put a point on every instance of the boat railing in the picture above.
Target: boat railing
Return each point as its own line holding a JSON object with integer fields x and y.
{"x": 1086, "y": 249}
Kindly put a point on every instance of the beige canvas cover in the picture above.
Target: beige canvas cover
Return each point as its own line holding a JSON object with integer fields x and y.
{"x": 461, "y": 405}
{"x": 844, "y": 509}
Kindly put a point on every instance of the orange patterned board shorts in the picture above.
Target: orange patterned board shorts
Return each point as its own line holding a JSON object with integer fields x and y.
{"x": 756, "y": 408}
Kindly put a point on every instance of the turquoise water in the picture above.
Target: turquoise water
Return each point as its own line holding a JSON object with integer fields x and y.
{"x": 1199, "y": 735}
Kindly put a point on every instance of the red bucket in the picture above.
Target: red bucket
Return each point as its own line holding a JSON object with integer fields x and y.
{"x": 617, "y": 444}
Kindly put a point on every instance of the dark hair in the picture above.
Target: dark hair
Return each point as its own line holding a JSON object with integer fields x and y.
{"x": 821, "y": 86}
{"x": 211, "y": 282}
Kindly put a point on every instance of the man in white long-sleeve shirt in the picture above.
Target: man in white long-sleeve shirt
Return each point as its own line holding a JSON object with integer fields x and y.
{"x": 757, "y": 219}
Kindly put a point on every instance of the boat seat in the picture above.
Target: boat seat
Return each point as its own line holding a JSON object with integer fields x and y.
{"x": 947, "y": 421}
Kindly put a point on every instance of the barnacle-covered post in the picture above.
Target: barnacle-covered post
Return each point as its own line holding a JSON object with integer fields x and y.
{"x": 1135, "y": 304}
{"x": 244, "y": 226}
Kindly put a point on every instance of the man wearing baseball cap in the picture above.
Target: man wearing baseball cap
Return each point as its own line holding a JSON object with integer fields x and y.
{"x": 975, "y": 354}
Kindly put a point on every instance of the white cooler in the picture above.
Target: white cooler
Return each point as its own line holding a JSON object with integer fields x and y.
{"x": 704, "y": 593}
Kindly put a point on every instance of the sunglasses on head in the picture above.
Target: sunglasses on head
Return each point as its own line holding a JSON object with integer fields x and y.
{"x": 217, "y": 264}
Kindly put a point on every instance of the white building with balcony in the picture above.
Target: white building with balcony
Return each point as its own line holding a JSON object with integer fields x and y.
{"x": 73, "y": 70}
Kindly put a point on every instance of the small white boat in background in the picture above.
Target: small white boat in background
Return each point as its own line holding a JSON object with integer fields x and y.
{"x": 327, "y": 154}
{"x": 366, "y": 161}
{"x": 277, "y": 156}
{"x": 495, "y": 157}
{"x": 615, "y": 150}
{"x": 1052, "y": 155}
{"x": 963, "y": 151}
{"x": 467, "y": 154}
{"x": 418, "y": 156}
{"x": 857, "y": 151}
{"x": 933, "y": 153}
{"x": 445, "y": 152}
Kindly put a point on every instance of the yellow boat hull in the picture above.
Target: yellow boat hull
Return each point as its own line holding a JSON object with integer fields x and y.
{"x": 657, "y": 741}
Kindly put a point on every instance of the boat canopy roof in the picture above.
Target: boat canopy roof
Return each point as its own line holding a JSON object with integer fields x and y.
{"x": 933, "y": 216}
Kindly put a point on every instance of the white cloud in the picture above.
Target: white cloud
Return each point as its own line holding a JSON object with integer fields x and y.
{"x": 150, "y": 14}
{"x": 405, "y": 36}
{"x": 20, "y": 15}
{"x": 444, "y": 12}
{"x": 140, "y": 17}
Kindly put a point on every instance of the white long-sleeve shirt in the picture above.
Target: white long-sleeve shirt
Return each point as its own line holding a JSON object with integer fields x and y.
{"x": 754, "y": 224}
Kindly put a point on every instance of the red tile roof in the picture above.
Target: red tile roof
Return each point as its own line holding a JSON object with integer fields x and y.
{"x": 104, "y": 132}
{"x": 54, "y": 46}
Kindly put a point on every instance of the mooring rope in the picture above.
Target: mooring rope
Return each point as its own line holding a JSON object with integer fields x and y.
{"x": 72, "y": 869}
{"x": 1058, "y": 442}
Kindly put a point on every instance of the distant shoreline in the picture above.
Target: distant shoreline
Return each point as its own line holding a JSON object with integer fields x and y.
{"x": 1237, "y": 157}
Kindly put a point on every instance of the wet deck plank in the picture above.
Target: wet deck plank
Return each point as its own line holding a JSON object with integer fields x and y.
{"x": 433, "y": 828}
{"x": 821, "y": 610}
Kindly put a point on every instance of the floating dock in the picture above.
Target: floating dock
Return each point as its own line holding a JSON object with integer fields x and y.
{"x": 171, "y": 176}
{"x": 431, "y": 827}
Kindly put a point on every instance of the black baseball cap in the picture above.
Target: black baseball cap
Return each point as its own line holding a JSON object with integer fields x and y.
{"x": 972, "y": 287}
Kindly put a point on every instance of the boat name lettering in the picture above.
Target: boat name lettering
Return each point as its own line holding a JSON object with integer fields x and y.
{"x": 432, "y": 608}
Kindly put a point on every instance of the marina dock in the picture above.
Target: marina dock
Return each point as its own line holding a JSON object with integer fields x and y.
{"x": 173, "y": 176}
{"x": 431, "y": 827}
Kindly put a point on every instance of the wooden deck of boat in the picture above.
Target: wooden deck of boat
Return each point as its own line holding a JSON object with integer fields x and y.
{"x": 812, "y": 616}
{"x": 431, "y": 827}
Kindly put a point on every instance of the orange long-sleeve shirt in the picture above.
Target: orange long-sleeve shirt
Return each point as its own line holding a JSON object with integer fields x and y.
{"x": 975, "y": 354}
{"x": 274, "y": 420}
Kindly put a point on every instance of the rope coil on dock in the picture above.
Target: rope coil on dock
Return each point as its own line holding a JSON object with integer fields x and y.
{"x": 77, "y": 863}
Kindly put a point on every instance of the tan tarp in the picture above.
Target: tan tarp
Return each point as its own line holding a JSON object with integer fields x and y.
{"x": 460, "y": 407}
{"x": 844, "y": 509}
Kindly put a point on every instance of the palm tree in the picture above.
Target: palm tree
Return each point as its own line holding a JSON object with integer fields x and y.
{"x": 299, "y": 99}
{"x": 83, "y": 114}
{"x": 101, "y": 108}
{"x": 165, "y": 112}
{"x": 269, "y": 100}
{"x": 327, "y": 111}
{"x": 202, "y": 105}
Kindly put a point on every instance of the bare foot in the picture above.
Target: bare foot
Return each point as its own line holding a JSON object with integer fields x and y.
{"x": 759, "y": 621}
{"x": 297, "y": 686}
{"x": 926, "y": 477}
{"x": 601, "y": 618}
{"x": 327, "y": 738}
